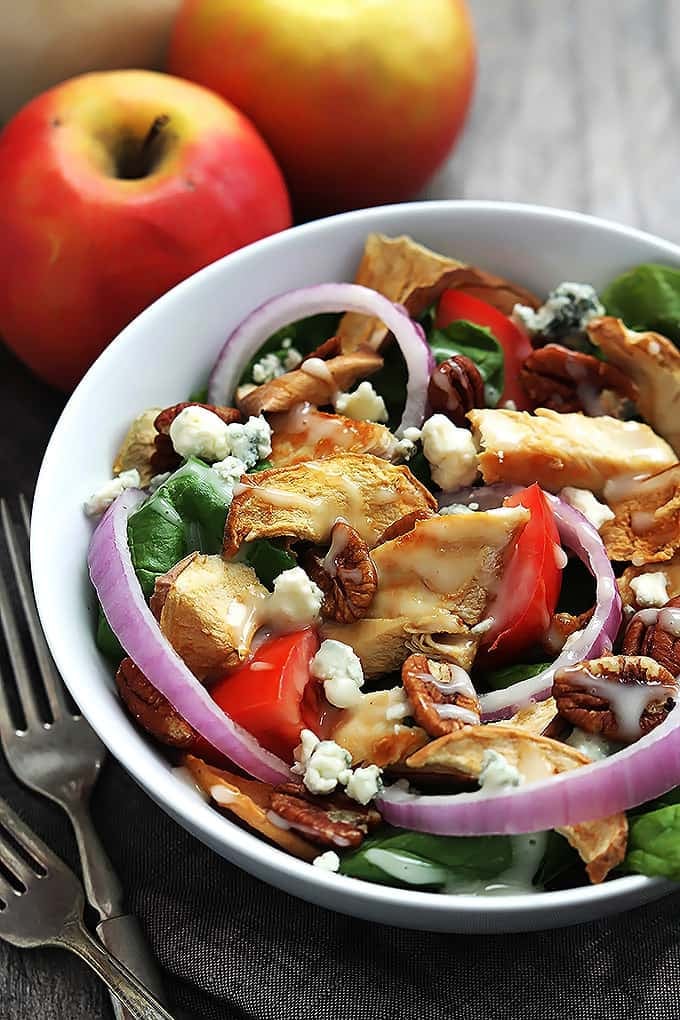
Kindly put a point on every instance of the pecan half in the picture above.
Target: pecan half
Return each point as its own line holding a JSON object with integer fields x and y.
{"x": 346, "y": 575}
{"x": 164, "y": 457}
{"x": 455, "y": 387}
{"x": 653, "y": 641}
{"x": 442, "y": 695}
{"x": 604, "y": 695}
{"x": 403, "y": 525}
{"x": 329, "y": 821}
{"x": 564, "y": 380}
{"x": 155, "y": 714}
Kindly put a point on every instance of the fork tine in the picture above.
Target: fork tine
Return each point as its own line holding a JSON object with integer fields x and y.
{"x": 51, "y": 679}
{"x": 15, "y": 863}
{"x": 32, "y": 844}
{"x": 18, "y": 659}
{"x": 25, "y": 513}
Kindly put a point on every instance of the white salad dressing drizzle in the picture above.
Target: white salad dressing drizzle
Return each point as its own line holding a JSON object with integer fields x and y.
{"x": 628, "y": 701}
{"x": 667, "y": 619}
{"x": 528, "y": 851}
{"x": 405, "y": 869}
{"x": 561, "y": 558}
{"x": 459, "y": 684}
{"x": 338, "y": 545}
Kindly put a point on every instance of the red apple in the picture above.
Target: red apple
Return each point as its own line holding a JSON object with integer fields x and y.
{"x": 360, "y": 100}
{"x": 114, "y": 187}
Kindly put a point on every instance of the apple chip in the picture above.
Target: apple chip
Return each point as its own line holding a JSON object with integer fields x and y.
{"x": 414, "y": 276}
{"x": 646, "y": 528}
{"x": 373, "y": 731}
{"x": 207, "y": 609}
{"x": 653, "y": 362}
{"x": 305, "y": 500}
{"x": 556, "y": 450}
{"x": 249, "y": 800}
{"x": 536, "y": 717}
{"x": 600, "y": 843}
{"x": 314, "y": 382}
{"x": 434, "y": 584}
{"x": 307, "y": 434}
{"x": 138, "y": 447}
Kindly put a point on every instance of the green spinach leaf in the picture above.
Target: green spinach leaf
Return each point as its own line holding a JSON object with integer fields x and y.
{"x": 498, "y": 679}
{"x": 478, "y": 343}
{"x": 306, "y": 335}
{"x": 647, "y": 297}
{"x": 106, "y": 641}
{"x": 185, "y": 514}
{"x": 268, "y": 560}
{"x": 654, "y": 843}
{"x": 199, "y": 396}
{"x": 403, "y": 858}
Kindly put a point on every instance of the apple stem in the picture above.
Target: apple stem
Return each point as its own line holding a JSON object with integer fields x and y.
{"x": 140, "y": 163}
{"x": 152, "y": 135}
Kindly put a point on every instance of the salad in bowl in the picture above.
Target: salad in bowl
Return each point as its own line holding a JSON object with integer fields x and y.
{"x": 400, "y": 590}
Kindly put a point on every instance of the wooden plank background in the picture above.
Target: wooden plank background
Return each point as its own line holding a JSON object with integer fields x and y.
{"x": 577, "y": 105}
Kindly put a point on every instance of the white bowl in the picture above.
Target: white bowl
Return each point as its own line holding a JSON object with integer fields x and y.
{"x": 158, "y": 360}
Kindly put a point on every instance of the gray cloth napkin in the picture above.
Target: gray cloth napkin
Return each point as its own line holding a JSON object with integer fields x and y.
{"x": 234, "y": 948}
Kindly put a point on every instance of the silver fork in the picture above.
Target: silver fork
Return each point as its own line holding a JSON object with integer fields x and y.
{"x": 41, "y": 904}
{"x": 61, "y": 758}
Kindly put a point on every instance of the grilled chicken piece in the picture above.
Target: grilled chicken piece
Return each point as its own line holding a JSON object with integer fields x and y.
{"x": 434, "y": 584}
{"x": 564, "y": 449}
{"x": 374, "y": 732}
{"x": 304, "y": 433}
{"x": 315, "y": 382}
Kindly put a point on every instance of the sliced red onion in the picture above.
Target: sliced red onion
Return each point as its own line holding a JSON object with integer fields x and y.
{"x": 595, "y": 639}
{"x": 134, "y": 625}
{"x": 638, "y": 773}
{"x": 280, "y": 311}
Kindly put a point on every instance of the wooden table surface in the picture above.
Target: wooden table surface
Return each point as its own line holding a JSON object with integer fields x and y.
{"x": 577, "y": 105}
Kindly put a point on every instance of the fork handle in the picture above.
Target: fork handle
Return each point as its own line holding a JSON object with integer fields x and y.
{"x": 102, "y": 886}
{"x": 124, "y": 937}
{"x": 137, "y": 999}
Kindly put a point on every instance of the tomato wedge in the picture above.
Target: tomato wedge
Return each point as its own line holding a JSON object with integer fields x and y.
{"x": 531, "y": 584}
{"x": 268, "y": 695}
{"x": 454, "y": 305}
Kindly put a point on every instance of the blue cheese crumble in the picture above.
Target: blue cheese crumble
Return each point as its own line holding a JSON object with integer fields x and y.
{"x": 198, "y": 432}
{"x": 567, "y": 312}
{"x": 271, "y": 366}
{"x": 102, "y": 499}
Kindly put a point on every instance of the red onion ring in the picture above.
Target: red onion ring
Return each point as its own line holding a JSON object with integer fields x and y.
{"x": 133, "y": 623}
{"x": 280, "y": 311}
{"x": 595, "y": 639}
{"x": 638, "y": 773}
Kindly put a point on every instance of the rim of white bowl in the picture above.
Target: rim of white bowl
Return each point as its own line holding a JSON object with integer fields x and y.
{"x": 154, "y": 775}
